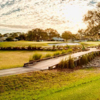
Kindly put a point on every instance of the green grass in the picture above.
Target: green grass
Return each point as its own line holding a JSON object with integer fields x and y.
{"x": 81, "y": 84}
{"x": 11, "y": 59}
{"x": 86, "y": 91}
{"x": 91, "y": 43}
{"x": 25, "y": 43}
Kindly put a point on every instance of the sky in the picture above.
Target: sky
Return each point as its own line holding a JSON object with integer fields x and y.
{"x": 62, "y": 15}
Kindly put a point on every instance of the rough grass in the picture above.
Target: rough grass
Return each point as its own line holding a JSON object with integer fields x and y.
{"x": 11, "y": 59}
{"x": 52, "y": 85}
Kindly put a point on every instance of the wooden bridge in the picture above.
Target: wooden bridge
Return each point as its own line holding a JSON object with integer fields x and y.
{"x": 43, "y": 65}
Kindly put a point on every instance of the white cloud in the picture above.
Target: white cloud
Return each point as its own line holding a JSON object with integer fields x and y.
{"x": 58, "y": 14}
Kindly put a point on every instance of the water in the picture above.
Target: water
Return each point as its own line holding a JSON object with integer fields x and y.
{"x": 64, "y": 44}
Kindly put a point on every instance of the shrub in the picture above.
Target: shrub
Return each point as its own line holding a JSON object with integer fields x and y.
{"x": 69, "y": 50}
{"x": 63, "y": 52}
{"x": 36, "y": 56}
{"x": 56, "y": 53}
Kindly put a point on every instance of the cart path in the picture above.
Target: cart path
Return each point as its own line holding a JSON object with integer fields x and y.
{"x": 43, "y": 65}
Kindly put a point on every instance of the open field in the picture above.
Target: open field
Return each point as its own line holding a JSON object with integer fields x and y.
{"x": 82, "y": 84}
{"x": 11, "y": 59}
{"x": 25, "y": 43}
{"x": 91, "y": 43}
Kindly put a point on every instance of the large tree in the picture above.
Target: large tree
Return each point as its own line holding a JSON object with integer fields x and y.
{"x": 93, "y": 20}
{"x": 52, "y": 33}
{"x": 67, "y": 35}
{"x": 36, "y": 35}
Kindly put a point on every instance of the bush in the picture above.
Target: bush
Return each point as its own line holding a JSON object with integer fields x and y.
{"x": 56, "y": 53}
{"x": 36, "y": 56}
{"x": 63, "y": 52}
{"x": 69, "y": 50}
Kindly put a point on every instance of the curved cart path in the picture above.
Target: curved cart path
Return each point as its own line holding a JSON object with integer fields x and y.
{"x": 43, "y": 65}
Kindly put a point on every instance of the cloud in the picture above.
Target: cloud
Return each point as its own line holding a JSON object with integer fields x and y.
{"x": 58, "y": 14}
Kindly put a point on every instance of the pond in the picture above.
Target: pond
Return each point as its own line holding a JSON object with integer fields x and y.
{"x": 64, "y": 44}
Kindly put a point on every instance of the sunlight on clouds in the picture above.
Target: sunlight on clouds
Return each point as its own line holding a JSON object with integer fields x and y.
{"x": 58, "y": 14}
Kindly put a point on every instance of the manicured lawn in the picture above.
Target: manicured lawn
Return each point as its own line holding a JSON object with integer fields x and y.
{"x": 11, "y": 59}
{"x": 83, "y": 84}
{"x": 91, "y": 43}
{"x": 25, "y": 43}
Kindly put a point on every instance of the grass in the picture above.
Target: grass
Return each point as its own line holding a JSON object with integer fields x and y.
{"x": 25, "y": 43}
{"x": 36, "y": 56}
{"x": 12, "y": 59}
{"x": 57, "y": 53}
{"x": 91, "y": 43}
{"x": 66, "y": 63}
{"x": 80, "y": 84}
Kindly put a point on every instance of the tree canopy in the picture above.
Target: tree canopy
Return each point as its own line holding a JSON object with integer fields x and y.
{"x": 67, "y": 35}
{"x": 93, "y": 19}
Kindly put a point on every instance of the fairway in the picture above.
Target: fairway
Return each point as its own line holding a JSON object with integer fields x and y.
{"x": 12, "y": 59}
{"x": 25, "y": 43}
{"x": 91, "y": 43}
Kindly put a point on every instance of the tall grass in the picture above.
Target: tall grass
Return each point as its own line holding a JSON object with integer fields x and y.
{"x": 63, "y": 51}
{"x": 83, "y": 47}
{"x": 36, "y": 56}
{"x": 84, "y": 59}
{"x": 56, "y": 53}
{"x": 71, "y": 62}
{"x": 66, "y": 63}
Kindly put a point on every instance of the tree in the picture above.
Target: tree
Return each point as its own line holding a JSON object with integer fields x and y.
{"x": 22, "y": 37}
{"x": 81, "y": 33}
{"x": 30, "y": 36}
{"x": 52, "y": 33}
{"x": 9, "y": 39}
{"x": 67, "y": 35}
{"x": 92, "y": 18}
{"x": 36, "y": 35}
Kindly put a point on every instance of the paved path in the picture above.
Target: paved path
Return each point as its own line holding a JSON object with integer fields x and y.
{"x": 43, "y": 65}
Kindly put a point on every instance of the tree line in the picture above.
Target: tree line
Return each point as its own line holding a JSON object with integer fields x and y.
{"x": 39, "y": 35}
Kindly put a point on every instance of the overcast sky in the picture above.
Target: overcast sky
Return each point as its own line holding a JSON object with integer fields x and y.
{"x": 24, "y": 15}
